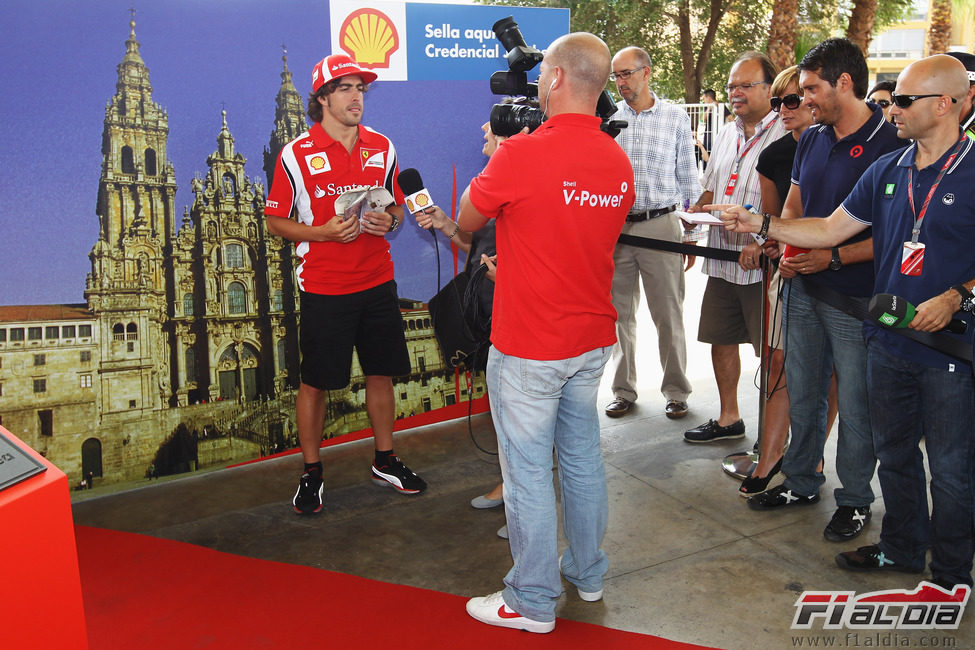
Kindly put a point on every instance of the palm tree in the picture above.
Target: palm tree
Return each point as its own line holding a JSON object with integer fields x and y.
{"x": 939, "y": 27}
{"x": 783, "y": 33}
{"x": 862, "y": 18}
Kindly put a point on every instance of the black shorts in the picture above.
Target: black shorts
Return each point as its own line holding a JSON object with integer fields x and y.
{"x": 331, "y": 326}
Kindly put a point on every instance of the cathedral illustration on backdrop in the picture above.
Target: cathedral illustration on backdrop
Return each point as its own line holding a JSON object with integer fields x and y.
{"x": 185, "y": 352}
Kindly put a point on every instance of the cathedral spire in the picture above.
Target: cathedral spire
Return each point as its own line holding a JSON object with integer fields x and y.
{"x": 286, "y": 73}
{"x": 132, "y": 45}
{"x": 225, "y": 141}
{"x": 289, "y": 117}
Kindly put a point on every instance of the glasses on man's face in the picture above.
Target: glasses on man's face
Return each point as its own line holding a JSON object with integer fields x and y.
{"x": 903, "y": 101}
{"x": 882, "y": 103}
{"x": 347, "y": 87}
{"x": 791, "y": 102}
{"x": 743, "y": 87}
{"x": 624, "y": 74}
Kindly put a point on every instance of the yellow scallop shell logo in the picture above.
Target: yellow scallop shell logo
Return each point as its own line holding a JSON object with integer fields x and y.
{"x": 369, "y": 37}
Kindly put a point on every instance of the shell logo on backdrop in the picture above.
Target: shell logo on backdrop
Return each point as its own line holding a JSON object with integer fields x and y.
{"x": 369, "y": 37}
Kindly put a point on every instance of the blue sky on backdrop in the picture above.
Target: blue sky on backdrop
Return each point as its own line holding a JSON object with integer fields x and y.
{"x": 58, "y": 63}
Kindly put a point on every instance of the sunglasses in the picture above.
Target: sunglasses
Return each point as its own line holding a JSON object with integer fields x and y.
{"x": 903, "y": 101}
{"x": 882, "y": 103}
{"x": 791, "y": 102}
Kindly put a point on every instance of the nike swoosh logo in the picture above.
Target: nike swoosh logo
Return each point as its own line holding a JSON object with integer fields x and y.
{"x": 504, "y": 614}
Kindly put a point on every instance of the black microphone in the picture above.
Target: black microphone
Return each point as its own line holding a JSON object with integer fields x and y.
{"x": 893, "y": 311}
{"x": 417, "y": 196}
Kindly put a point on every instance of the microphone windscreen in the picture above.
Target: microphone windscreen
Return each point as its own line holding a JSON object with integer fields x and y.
{"x": 890, "y": 310}
{"x": 409, "y": 181}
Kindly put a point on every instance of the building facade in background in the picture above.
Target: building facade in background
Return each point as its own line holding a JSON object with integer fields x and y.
{"x": 904, "y": 43}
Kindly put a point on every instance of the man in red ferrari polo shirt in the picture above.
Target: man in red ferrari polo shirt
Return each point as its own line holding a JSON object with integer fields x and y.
{"x": 559, "y": 196}
{"x": 348, "y": 296}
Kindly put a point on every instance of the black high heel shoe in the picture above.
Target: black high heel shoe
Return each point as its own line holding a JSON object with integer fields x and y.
{"x": 758, "y": 484}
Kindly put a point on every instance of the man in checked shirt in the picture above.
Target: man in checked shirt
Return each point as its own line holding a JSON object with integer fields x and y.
{"x": 660, "y": 146}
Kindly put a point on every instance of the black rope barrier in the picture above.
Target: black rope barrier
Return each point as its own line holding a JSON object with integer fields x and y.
{"x": 937, "y": 340}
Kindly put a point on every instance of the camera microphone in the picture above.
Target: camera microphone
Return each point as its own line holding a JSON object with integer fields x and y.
{"x": 893, "y": 311}
{"x": 418, "y": 197}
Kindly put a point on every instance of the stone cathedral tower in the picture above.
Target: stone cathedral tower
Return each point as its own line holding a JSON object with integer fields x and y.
{"x": 289, "y": 123}
{"x": 126, "y": 289}
{"x": 289, "y": 120}
{"x": 228, "y": 298}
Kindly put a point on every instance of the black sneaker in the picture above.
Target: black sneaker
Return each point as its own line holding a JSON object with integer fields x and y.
{"x": 871, "y": 558}
{"x": 399, "y": 476}
{"x": 711, "y": 431}
{"x": 847, "y": 523}
{"x": 780, "y": 496}
{"x": 308, "y": 498}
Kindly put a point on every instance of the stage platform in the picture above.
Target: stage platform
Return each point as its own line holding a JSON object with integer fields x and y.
{"x": 689, "y": 560}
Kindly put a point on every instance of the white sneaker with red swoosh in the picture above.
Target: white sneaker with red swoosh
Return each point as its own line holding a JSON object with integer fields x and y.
{"x": 493, "y": 611}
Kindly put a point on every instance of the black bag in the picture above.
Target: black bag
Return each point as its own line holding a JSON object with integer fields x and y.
{"x": 461, "y": 316}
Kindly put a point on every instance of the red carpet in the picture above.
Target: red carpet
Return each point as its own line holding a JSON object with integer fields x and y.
{"x": 148, "y": 593}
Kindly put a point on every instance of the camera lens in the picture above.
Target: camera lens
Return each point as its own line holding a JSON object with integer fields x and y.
{"x": 509, "y": 119}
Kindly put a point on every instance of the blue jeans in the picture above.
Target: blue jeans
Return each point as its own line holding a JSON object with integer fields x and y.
{"x": 538, "y": 406}
{"x": 909, "y": 401}
{"x": 819, "y": 339}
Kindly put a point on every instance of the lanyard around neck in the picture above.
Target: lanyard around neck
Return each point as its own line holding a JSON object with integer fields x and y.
{"x": 751, "y": 143}
{"x": 919, "y": 217}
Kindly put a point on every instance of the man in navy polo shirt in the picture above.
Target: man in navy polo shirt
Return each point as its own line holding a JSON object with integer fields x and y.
{"x": 920, "y": 205}
{"x": 830, "y": 158}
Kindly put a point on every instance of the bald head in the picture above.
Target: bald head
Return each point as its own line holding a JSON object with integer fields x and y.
{"x": 939, "y": 74}
{"x": 638, "y": 55}
{"x": 584, "y": 58}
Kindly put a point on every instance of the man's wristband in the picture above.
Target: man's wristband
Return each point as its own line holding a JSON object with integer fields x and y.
{"x": 766, "y": 220}
{"x": 456, "y": 230}
{"x": 394, "y": 224}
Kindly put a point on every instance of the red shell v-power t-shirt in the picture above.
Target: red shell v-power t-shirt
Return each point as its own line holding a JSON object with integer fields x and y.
{"x": 560, "y": 196}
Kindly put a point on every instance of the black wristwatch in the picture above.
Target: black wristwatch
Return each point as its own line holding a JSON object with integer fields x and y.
{"x": 967, "y": 298}
{"x": 394, "y": 224}
{"x": 835, "y": 264}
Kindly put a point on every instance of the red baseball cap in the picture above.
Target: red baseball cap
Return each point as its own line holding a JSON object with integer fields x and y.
{"x": 333, "y": 67}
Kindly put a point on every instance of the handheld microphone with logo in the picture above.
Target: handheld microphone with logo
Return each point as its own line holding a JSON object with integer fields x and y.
{"x": 417, "y": 196}
{"x": 893, "y": 311}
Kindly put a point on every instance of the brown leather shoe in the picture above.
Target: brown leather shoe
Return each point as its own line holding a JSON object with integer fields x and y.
{"x": 675, "y": 409}
{"x": 618, "y": 407}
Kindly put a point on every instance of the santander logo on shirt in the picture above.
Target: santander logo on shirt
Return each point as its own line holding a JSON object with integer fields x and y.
{"x": 335, "y": 190}
{"x": 592, "y": 199}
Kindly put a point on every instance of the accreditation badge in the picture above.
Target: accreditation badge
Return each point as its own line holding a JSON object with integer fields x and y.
{"x": 912, "y": 258}
{"x": 731, "y": 185}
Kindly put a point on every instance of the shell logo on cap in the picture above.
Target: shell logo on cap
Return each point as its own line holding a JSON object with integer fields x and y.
{"x": 369, "y": 37}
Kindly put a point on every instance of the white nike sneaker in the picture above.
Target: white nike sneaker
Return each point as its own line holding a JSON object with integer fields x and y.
{"x": 493, "y": 611}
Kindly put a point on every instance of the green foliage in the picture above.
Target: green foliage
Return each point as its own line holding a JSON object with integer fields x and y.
{"x": 652, "y": 24}
{"x": 822, "y": 19}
